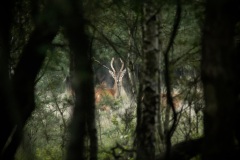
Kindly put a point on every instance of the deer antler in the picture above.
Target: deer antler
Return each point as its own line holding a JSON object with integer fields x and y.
{"x": 122, "y": 65}
{"x": 112, "y": 65}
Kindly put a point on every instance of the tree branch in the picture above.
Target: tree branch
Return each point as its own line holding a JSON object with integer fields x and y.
{"x": 167, "y": 77}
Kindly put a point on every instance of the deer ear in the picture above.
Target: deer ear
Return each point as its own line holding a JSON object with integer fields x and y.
{"x": 112, "y": 74}
{"x": 123, "y": 72}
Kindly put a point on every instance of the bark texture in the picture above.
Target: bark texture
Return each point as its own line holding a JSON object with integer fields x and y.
{"x": 146, "y": 131}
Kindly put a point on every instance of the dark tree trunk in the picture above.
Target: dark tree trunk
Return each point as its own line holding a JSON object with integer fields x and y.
{"x": 83, "y": 127}
{"x": 18, "y": 92}
{"x": 5, "y": 94}
{"x": 237, "y": 89}
{"x": 218, "y": 76}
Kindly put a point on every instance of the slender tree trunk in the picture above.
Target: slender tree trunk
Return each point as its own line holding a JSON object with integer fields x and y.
{"x": 130, "y": 67}
{"x": 146, "y": 132}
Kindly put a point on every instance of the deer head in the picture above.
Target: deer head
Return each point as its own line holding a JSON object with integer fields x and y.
{"x": 117, "y": 76}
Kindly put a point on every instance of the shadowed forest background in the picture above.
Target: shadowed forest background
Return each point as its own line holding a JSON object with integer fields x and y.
{"x": 149, "y": 80}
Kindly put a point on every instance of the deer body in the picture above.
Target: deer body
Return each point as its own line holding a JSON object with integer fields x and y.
{"x": 101, "y": 91}
{"x": 177, "y": 101}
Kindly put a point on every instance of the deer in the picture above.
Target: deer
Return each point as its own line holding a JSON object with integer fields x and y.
{"x": 102, "y": 90}
{"x": 115, "y": 91}
{"x": 177, "y": 101}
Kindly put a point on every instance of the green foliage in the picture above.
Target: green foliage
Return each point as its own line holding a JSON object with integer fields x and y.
{"x": 49, "y": 153}
{"x": 103, "y": 155}
{"x": 22, "y": 26}
{"x": 114, "y": 127}
{"x": 26, "y": 152}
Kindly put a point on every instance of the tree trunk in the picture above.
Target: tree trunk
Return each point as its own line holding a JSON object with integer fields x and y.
{"x": 83, "y": 127}
{"x": 130, "y": 67}
{"x": 218, "y": 79}
{"x": 146, "y": 131}
{"x": 19, "y": 101}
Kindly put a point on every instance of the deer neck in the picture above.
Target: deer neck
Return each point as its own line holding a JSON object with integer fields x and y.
{"x": 117, "y": 89}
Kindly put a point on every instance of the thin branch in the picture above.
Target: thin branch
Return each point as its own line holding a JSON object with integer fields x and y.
{"x": 43, "y": 71}
{"x": 167, "y": 77}
{"x": 100, "y": 63}
{"x": 117, "y": 154}
{"x": 108, "y": 40}
{"x": 184, "y": 56}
